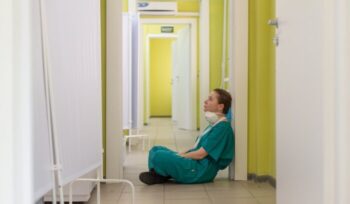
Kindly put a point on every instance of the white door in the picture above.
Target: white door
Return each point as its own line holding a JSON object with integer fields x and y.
{"x": 136, "y": 84}
{"x": 181, "y": 100}
{"x": 130, "y": 68}
{"x": 174, "y": 84}
{"x": 299, "y": 101}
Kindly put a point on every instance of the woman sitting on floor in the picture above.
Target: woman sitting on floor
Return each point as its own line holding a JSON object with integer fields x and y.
{"x": 213, "y": 150}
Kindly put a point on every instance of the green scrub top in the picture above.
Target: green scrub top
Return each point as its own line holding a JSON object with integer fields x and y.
{"x": 219, "y": 143}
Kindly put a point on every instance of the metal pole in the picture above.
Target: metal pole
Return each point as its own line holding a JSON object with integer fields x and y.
{"x": 50, "y": 111}
{"x": 47, "y": 94}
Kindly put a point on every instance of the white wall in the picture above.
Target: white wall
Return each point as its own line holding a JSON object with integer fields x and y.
{"x": 337, "y": 103}
{"x": 6, "y": 102}
{"x": 23, "y": 52}
{"x": 342, "y": 103}
{"x": 313, "y": 102}
{"x": 15, "y": 131}
{"x": 299, "y": 103}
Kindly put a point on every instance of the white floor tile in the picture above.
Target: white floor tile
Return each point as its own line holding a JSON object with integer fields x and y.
{"x": 180, "y": 195}
{"x": 181, "y": 187}
{"x": 143, "y": 195}
{"x": 266, "y": 200}
{"x": 235, "y": 201}
{"x": 259, "y": 189}
{"x": 188, "y": 201}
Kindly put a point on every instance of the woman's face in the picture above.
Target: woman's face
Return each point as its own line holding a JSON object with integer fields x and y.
{"x": 212, "y": 103}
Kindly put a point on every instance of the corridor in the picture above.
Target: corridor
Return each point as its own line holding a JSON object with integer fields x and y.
{"x": 163, "y": 132}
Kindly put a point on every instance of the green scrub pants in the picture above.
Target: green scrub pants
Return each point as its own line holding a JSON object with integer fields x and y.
{"x": 166, "y": 162}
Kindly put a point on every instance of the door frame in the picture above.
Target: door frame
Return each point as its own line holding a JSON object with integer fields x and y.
{"x": 192, "y": 22}
{"x": 148, "y": 39}
{"x": 114, "y": 91}
{"x": 336, "y": 102}
{"x": 238, "y": 66}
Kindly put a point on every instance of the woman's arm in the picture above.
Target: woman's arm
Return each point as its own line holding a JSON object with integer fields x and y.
{"x": 196, "y": 155}
{"x": 184, "y": 152}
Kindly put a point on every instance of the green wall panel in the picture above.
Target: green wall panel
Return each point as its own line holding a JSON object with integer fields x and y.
{"x": 261, "y": 91}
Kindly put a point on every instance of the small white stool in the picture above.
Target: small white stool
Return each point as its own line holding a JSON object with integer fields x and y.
{"x": 143, "y": 136}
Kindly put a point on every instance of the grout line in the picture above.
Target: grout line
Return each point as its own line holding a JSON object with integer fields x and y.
{"x": 120, "y": 194}
{"x": 163, "y": 194}
{"x": 175, "y": 140}
{"x": 206, "y": 190}
{"x": 247, "y": 190}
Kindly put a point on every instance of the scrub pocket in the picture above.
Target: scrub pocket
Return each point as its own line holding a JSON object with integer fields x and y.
{"x": 191, "y": 171}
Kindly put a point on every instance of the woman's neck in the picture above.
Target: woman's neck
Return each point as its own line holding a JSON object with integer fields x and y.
{"x": 221, "y": 117}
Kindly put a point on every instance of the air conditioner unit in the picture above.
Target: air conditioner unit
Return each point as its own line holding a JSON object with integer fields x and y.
{"x": 157, "y": 8}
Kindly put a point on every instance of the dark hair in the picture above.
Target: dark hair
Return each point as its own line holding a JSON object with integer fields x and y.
{"x": 225, "y": 98}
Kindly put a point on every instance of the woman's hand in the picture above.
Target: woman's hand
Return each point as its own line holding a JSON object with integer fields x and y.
{"x": 196, "y": 155}
{"x": 183, "y": 152}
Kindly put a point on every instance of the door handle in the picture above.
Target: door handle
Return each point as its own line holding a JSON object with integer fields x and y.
{"x": 273, "y": 22}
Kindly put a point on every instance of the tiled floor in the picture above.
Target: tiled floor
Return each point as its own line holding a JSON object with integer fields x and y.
{"x": 163, "y": 132}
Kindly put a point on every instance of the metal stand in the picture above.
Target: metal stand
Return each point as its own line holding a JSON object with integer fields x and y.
{"x": 98, "y": 187}
{"x": 98, "y": 180}
{"x": 143, "y": 136}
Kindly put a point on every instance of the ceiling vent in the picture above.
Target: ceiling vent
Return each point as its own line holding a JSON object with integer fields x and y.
{"x": 157, "y": 8}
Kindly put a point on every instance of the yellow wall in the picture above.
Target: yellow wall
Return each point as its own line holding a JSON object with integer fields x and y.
{"x": 153, "y": 29}
{"x": 215, "y": 34}
{"x": 261, "y": 90}
{"x": 125, "y": 5}
{"x": 160, "y": 75}
{"x": 188, "y": 6}
{"x": 216, "y": 42}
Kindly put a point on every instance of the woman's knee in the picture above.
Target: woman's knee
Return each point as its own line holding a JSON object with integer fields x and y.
{"x": 154, "y": 149}
{"x": 156, "y": 154}
{"x": 157, "y": 148}
{"x": 162, "y": 157}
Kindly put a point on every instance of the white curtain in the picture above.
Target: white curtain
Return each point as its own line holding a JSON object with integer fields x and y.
{"x": 73, "y": 45}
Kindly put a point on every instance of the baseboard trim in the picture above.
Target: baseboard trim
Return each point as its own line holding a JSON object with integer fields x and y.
{"x": 263, "y": 178}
